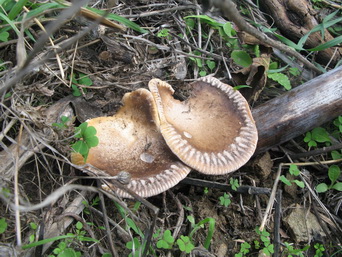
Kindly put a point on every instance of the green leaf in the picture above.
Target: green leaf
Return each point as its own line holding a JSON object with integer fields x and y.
{"x": 92, "y": 141}
{"x": 42, "y": 8}
{"x": 294, "y": 170}
{"x": 81, "y": 147}
{"x": 241, "y": 86}
{"x": 3, "y": 225}
{"x": 48, "y": 240}
{"x": 89, "y": 132}
{"x": 33, "y": 225}
{"x": 321, "y": 188}
{"x": 191, "y": 219}
{"x": 163, "y": 33}
{"x": 320, "y": 135}
{"x": 203, "y": 73}
{"x": 211, "y": 64}
{"x": 241, "y": 58}
{"x": 83, "y": 127}
{"x": 84, "y": 80}
{"x": 331, "y": 43}
{"x": 334, "y": 173}
{"x": 135, "y": 243}
{"x": 312, "y": 144}
{"x": 181, "y": 245}
{"x": 31, "y": 238}
{"x": 294, "y": 71}
{"x": 161, "y": 244}
{"x": 282, "y": 79}
{"x": 68, "y": 252}
{"x": 228, "y": 29}
{"x": 190, "y": 23}
{"x": 299, "y": 183}
{"x": 75, "y": 90}
{"x": 4, "y": 36}
{"x": 336, "y": 155}
{"x": 10, "y": 22}
{"x": 283, "y": 179}
{"x": 130, "y": 223}
{"x": 338, "y": 186}
{"x": 184, "y": 244}
{"x": 17, "y": 8}
{"x": 120, "y": 19}
{"x": 205, "y": 19}
{"x": 307, "y": 137}
{"x": 168, "y": 237}
{"x": 79, "y": 225}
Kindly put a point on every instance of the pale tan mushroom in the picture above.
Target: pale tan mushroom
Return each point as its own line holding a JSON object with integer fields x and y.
{"x": 213, "y": 131}
{"x": 130, "y": 141}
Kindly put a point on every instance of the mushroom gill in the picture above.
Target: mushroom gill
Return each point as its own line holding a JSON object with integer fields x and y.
{"x": 213, "y": 131}
{"x": 130, "y": 141}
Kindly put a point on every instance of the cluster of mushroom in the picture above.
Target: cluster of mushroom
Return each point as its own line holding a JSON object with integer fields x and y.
{"x": 157, "y": 139}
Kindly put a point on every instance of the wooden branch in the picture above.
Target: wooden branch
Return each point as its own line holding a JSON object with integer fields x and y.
{"x": 299, "y": 110}
{"x": 229, "y": 9}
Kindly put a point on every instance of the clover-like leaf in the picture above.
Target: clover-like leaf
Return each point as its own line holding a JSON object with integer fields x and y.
{"x": 84, "y": 80}
{"x": 81, "y": 147}
{"x": 211, "y": 64}
{"x": 294, "y": 170}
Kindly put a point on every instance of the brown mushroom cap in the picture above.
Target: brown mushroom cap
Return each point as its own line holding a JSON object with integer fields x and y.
{"x": 213, "y": 131}
{"x": 130, "y": 141}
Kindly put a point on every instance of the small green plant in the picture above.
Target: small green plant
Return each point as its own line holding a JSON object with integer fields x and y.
{"x": 281, "y": 78}
{"x": 205, "y": 190}
{"x": 164, "y": 33}
{"x": 166, "y": 242}
{"x": 196, "y": 226}
{"x": 3, "y": 225}
{"x": 234, "y": 183}
{"x": 87, "y": 139}
{"x": 225, "y": 200}
{"x": 94, "y": 202}
{"x": 63, "y": 124}
{"x": 203, "y": 66}
{"x": 62, "y": 250}
{"x": 334, "y": 173}
{"x": 34, "y": 227}
{"x": 294, "y": 71}
{"x": 80, "y": 79}
{"x": 290, "y": 251}
{"x": 317, "y": 135}
{"x": 135, "y": 246}
{"x": 268, "y": 248}
{"x": 295, "y": 172}
{"x": 185, "y": 244}
{"x": 245, "y": 248}
{"x": 319, "y": 250}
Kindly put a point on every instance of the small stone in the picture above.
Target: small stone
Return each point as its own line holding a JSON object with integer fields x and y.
{"x": 303, "y": 225}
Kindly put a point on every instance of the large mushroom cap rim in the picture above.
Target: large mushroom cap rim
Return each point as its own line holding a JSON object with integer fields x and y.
{"x": 213, "y": 131}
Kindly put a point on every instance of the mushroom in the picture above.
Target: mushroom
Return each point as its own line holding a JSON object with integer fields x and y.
{"x": 213, "y": 131}
{"x": 130, "y": 141}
